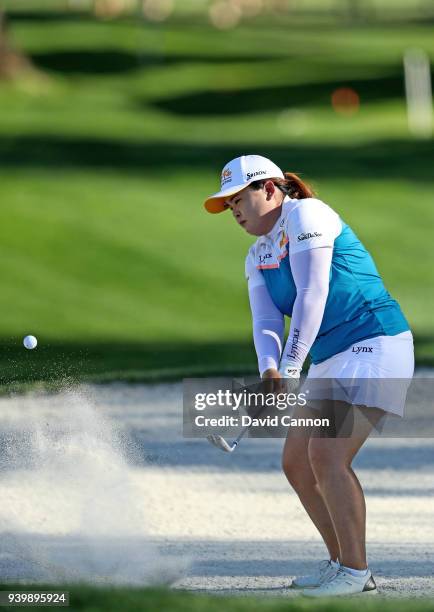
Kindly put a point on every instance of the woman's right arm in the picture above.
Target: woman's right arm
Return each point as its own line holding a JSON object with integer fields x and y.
{"x": 268, "y": 323}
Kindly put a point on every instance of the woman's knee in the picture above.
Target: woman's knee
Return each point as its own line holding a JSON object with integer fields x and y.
{"x": 323, "y": 459}
{"x": 295, "y": 465}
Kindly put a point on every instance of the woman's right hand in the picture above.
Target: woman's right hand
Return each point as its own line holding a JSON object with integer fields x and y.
{"x": 276, "y": 383}
{"x": 273, "y": 381}
{"x": 271, "y": 373}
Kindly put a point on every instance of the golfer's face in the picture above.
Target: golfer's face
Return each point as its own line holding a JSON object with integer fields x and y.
{"x": 248, "y": 208}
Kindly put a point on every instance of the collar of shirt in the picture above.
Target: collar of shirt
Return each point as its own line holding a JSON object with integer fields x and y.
{"x": 280, "y": 221}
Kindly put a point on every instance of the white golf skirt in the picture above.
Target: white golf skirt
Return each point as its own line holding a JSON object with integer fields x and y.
{"x": 375, "y": 373}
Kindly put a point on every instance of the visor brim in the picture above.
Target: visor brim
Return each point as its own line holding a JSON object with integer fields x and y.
{"x": 216, "y": 203}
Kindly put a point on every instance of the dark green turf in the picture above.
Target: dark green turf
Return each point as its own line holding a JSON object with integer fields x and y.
{"x": 91, "y": 599}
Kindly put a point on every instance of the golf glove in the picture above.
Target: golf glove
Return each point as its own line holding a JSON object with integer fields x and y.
{"x": 291, "y": 375}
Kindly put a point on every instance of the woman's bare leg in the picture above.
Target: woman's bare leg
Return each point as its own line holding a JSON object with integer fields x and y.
{"x": 330, "y": 459}
{"x": 298, "y": 471}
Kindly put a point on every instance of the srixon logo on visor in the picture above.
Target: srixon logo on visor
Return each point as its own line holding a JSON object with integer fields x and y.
{"x": 251, "y": 175}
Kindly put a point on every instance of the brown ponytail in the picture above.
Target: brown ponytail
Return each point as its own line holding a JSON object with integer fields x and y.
{"x": 294, "y": 187}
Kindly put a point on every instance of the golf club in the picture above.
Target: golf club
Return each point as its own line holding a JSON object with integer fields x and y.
{"x": 222, "y": 444}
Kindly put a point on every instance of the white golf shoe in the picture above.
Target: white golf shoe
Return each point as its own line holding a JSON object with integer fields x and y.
{"x": 324, "y": 570}
{"x": 341, "y": 583}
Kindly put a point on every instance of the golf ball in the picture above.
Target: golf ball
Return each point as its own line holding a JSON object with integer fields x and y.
{"x": 30, "y": 342}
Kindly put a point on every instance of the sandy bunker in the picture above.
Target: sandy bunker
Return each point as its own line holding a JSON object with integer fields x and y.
{"x": 98, "y": 483}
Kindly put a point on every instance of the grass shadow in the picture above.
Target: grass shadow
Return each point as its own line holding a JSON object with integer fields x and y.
{"x": 114, "y": 61}
{"x": 54, "y": 363}
{"x": 261, "y": 99}
{"x": 382, "y": 159}
{"x": 57, "y": 362}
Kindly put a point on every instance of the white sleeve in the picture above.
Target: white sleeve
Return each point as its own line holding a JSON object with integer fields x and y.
{"x": 311, "y": 273}
{"x": 312, "y": 224}
{"x": 268, "y": 328}
{"x": 268, "y": 321}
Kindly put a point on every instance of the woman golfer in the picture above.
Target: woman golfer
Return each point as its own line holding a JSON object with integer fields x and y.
{"x": 309, "y": 265}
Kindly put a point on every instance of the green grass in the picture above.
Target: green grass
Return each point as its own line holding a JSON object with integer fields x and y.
{"x": 114, "y": 599}
{"x": 105, "y": 160}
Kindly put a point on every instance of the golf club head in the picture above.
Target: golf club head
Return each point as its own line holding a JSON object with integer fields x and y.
{"x": 221, "y": 443}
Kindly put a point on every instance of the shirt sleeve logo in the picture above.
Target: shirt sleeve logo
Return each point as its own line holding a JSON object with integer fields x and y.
{"x": 305, "y": 236}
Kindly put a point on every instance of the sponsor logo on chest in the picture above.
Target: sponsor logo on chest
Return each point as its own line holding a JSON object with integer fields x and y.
{"x": 283, "y": 239}
{"x": 272, "y": 254}
{"x": 263, "y": 258}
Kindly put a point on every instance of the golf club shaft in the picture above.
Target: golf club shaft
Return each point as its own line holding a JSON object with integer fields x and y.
{"x": 247, "y": 427}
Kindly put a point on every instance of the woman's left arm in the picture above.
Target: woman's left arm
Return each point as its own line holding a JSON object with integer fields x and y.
{"x": 311, "y": 272}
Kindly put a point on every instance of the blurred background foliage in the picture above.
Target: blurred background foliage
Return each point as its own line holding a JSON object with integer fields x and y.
{"x": 117, "y": 117}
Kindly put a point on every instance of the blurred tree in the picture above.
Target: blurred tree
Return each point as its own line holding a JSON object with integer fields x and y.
{"x": 12, "y": 62}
